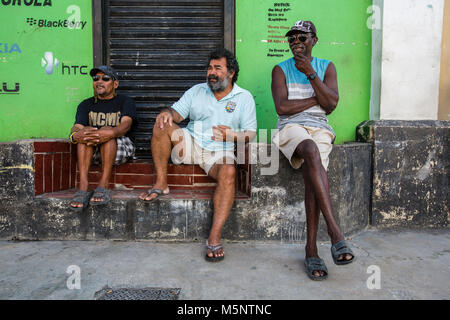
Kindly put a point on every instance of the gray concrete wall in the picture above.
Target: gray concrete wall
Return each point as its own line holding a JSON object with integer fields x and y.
{"x": 17, "y": 171}
{"x": 410, "y": 172}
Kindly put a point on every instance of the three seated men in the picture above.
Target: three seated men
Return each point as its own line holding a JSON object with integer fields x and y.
{"x": 222, "y": 114}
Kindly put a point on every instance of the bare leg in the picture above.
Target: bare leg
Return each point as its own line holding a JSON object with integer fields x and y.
{"x": 161, "y": 145}
{"x": 108, "y": 152}
{"x": 223, "y": 201}
{"x": 316, "y": 176}
{"x": 84, "y": 158}
{"x": 312, "y": 223}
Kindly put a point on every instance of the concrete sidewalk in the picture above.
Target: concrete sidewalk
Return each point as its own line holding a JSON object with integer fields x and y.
{"x": 413, "y": 264}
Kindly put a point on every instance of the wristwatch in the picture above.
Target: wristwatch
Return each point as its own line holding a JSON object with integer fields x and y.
{"x": 312, "y": 76}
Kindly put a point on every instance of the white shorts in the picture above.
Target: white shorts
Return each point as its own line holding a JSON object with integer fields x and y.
{"x": 195, "y": 154}
{"x": 288, "y": 138}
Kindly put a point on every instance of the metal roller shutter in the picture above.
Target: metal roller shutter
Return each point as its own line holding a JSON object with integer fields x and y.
{"x": 160, "y": 49}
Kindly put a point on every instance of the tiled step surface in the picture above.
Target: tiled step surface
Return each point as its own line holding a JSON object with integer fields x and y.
{"x": 175, "y": 194}
{"x": 139, "y": 175}
{"x": 56, "y": 170}
{"x": 54, "y": 166}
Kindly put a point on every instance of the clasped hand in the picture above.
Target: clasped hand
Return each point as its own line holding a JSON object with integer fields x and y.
{"x": 223, "y": 133}
{"x": 92, "y": 136}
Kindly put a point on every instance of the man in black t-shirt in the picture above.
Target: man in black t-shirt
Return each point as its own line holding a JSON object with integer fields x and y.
{"x": 101, "y": 132}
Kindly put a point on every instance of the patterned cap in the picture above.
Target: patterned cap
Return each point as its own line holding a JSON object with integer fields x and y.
{"x": 106, "y": 70}
{"x": 303, "y": 26}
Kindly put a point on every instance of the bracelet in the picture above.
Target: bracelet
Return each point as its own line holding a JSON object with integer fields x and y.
{"x": 71, "y": 139}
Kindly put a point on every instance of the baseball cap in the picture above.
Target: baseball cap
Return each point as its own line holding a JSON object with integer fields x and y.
{"x": 303, "y": 26}
{"x": 106, "y": 70}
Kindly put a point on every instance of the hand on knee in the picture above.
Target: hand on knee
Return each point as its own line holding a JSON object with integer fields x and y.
{"x": 157, "y": 131}
{"x": 227, "y": 174}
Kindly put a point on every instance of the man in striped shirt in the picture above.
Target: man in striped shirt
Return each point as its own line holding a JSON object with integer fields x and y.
{"x": 305, "y": 91}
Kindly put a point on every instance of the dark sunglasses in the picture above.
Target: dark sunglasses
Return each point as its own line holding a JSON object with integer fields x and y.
{"x": 104, "y": 78}
{"x": 300, "y": 37}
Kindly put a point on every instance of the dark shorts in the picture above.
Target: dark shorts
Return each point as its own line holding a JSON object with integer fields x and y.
{"x": 125, "y": 150}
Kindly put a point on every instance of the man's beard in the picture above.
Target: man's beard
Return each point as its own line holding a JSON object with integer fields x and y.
{"x": 104, "y": 94}
{"x": 219, "y": 85}
{"x": 102, "y": 88}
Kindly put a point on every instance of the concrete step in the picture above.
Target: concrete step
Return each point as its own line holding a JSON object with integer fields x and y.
{"x": 273, "y": 210}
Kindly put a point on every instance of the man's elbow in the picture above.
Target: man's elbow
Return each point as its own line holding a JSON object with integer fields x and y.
{"x": 123, "y": 128}
{"x": 280, "y": 110}
{"x": 331, "y": 103}
{"x": 331, "y": 106}
{"x": 126, "y": 130}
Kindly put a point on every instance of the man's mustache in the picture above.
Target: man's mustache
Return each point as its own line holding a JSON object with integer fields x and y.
{"x": 212, "y": 77}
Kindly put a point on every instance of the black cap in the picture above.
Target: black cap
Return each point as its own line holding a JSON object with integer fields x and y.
{"x": 302, "y": 26}
{"x": 106, "y": 70}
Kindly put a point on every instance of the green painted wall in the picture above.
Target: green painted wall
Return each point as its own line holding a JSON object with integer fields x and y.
{"x": 45, "y": 104}
{"x": 344, "y": 38}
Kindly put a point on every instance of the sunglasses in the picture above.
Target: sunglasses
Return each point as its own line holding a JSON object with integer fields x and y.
{"x": 300, "y": 37}
{"x": 104, "y": 78}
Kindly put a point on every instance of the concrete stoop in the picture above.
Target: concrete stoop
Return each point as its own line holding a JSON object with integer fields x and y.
{"x": 395, "y": 177}
{"x": 274, "y": 211}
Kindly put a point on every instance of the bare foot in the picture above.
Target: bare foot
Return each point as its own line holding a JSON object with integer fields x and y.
{"x": 149, "y": 196}
{"x": 312, "y": 252}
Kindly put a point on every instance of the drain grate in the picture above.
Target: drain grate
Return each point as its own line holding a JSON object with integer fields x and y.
{"x": 138, "y": 294}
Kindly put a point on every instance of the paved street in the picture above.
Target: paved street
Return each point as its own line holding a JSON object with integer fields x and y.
{"x": 411, "y": 264}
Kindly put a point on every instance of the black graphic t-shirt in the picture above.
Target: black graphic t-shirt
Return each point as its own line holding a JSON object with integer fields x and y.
{"x": 106, "y": 112}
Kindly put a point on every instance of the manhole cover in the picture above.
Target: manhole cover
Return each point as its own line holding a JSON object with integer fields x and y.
{"x": 138, "y": 294}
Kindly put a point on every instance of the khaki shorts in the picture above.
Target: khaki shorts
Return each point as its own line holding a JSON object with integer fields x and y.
{"x": 288, "y": 138}
{"x": 194, "y": 154}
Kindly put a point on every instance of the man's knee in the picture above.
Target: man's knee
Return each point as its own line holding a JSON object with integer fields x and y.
{"x": 174, "y": 133}
{"x": 227, "y": 174}
{"x": 109, "y": 144}
{"x": 157, "y": 131}
{"x": 84, "y": 150}
{"x": 309, "y": 151}
{"x": 109, "y": 149}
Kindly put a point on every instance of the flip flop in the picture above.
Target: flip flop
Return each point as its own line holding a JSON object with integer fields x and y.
{"x": 81, "y": 196}
{"x": 213, "y": 249}
{"x": 341, "y": 248}
{"x": 159, "y": 193}
{"x": 315, "y": 264}
{"x": 100, "y": 192}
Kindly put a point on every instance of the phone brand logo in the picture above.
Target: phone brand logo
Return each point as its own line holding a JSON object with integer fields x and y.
{"x": 49, "y": 63}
